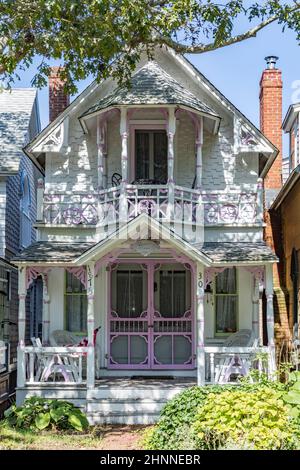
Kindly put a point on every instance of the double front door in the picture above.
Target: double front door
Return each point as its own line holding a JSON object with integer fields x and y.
{"x": 151, "y": 316}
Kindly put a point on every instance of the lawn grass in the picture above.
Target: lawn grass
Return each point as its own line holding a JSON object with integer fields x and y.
{"x": 96, "y": 438}
{"x": 23, "y": 439}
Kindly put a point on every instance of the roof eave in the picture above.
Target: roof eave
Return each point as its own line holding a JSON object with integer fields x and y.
{"x": 287, "y": 187}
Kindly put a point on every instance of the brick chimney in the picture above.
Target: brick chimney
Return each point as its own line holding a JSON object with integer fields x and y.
{"x": 270, "y": 125}
{"x": 271, "y": 121}
{"x": 58, "y": 98}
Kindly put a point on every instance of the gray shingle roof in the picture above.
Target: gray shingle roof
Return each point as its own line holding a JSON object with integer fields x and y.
{"x": 15, "y": 113}
{"x": 50, "y": 252}
{"x": 54, "y": 252}
{"x": 151, "y": 85}
{"x": 237, "y": 252}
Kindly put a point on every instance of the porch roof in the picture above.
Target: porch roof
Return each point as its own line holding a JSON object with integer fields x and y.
{"x": 232, "y": 252}
{"x": 151, "y": 85}
{"x": 218, "y": 253}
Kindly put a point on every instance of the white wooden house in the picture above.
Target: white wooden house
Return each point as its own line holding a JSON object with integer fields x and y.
{"x": 150, "y": 229}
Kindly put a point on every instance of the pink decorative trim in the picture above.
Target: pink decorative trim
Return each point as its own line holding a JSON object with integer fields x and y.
{"x": 91, "y": 297}
{"x": 80, "y": 273}
{"x": 258, "y": 272}
{"x": 32, "y": 272}
{"x": 46, "y": 302}
{"x": 210, "y": 274}
{"x": 22, "y": 296}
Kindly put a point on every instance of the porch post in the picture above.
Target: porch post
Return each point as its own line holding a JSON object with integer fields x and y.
{"x": 200, "y": 324}
{"x": 124, "y": 165}
{"x": 100, "y": 146}
{"x": 46, "y": 310}
{"x": 199, "y": 143}
{"x": 90, "y": 324}
{"x": 255, "y": 307}
{"x": 21, "y": 373}
{"x": 270, "y": 317}
{"x": 171, "y": 134}
{"x": 124, "y": 144}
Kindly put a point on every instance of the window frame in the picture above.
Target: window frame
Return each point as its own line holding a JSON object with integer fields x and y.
{"x": 151, "y": 125}
{"x": 66, "y": 294}
{"x": 215, "y": 294}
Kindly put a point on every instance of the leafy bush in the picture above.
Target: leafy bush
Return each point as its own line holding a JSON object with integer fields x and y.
{"x": 172, "y": 432}
{"x": 292, "y": 397}
{"x": 255, "y": 419}
{"x": 40, "y": 413}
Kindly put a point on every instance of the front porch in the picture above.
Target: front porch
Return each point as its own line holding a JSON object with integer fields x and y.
{"x": 158, "y": 308}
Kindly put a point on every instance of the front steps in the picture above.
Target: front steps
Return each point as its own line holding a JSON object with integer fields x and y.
{"x": 125, "y": 401}
{"x": 114, "y": 400}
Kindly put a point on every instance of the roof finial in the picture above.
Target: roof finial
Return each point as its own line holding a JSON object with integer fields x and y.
{"x": 271, "y": 61}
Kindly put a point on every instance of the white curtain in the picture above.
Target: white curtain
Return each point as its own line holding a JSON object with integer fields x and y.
{"x": 226, "y": 302}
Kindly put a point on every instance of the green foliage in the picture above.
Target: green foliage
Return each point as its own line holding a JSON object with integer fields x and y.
{"x": 173, "y": 428}
{"x": 179, "y": 424}
{"x": 252, "y": 419}
{"x": 107, "y": 37}
{"x": 292, "y": 396}
{"x": 39, "y": 413}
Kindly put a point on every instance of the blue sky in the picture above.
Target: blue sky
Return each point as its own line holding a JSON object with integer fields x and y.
{"x": 234, "y": 70}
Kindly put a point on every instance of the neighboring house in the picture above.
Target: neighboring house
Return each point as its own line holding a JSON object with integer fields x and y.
{"x": 19, "y": 123}
{"x": 285, "y": 214}
{"x": 150, "y": 228}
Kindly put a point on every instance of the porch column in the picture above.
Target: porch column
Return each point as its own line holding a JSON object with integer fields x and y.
{"x": 200, "y": 324}
{"x": 171, "y": 134}
{"x": 21, "y": 372}
{"x": 40, "y": 200}
{"x": 255, "y": 307}
{"x": 90, "y": 325}
{"x": 101, "y": 150}
{"x": 199, "y": 143}
{"x": 270, "y": 317}
{"x": 124, "y": 165}
{"x": 46, "y": 311}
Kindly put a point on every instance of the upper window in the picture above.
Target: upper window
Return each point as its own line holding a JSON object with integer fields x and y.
{"x": 151, "y": 149}
{"x": 226, "y": 302}
{"x": 25, "y": 204}
{"x": 76, "y": 305}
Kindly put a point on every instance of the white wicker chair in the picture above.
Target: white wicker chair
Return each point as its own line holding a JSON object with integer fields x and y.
{"x": 236, "y": 364}
{"x": 63, "y": 338}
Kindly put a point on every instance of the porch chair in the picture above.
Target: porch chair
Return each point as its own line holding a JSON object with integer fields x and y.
{"x": 235, "y": 364}
{"x": 46, "y": 366}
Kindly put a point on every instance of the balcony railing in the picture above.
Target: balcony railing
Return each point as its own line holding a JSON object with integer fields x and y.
{"x": 162, "y": 202}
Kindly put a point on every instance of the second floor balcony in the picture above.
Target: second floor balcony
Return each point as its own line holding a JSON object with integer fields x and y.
{"x": 165, "y": 203}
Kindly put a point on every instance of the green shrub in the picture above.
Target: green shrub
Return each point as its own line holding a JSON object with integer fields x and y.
{"x": 39, "y": 413}
{"x": 172, "y": 431}
{"x": 292, "y": 396}
{"x": 255, "y": 419}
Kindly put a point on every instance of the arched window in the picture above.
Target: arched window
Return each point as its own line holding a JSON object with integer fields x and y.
{"x": 25, "y": 203}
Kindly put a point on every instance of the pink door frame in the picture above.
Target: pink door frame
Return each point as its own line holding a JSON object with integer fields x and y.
{"x": 151, "y": 316}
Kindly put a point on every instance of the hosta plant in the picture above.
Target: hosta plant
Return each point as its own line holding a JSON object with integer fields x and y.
{"x": 39, "y": 413}
{"x": 257, "y": 419}
{"x": 292, "y": 397}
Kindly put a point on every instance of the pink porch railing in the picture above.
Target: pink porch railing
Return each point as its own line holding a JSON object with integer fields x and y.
{"x": 193, "y": 206}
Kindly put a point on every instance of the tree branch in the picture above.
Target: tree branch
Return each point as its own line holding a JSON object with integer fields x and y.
{"x": 251, "y": 33}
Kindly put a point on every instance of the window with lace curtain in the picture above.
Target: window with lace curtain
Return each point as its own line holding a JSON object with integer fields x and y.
{"x": 75, "y": 305}
{"x": 226, "y": 302}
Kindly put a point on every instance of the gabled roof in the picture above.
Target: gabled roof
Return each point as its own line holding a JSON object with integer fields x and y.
{"x": 195, "y": 75}
{"x": 15, "y": 113}
{"x": 290, "y": 116}
{"x": 151, "y": 85}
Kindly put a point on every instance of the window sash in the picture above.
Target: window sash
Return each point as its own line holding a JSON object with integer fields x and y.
{"x": 226, "y": 302}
